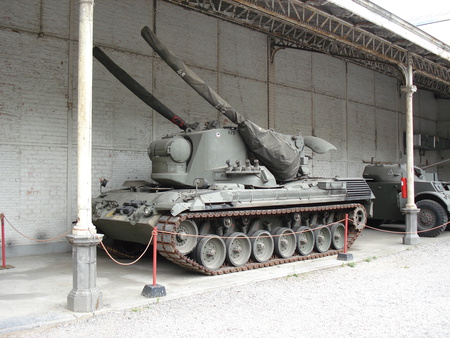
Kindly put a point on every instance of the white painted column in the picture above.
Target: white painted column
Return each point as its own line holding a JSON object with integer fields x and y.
{"x": 410, "y": 210}
{"x": 85, "y": 296}
{"x": 84, "y": 224}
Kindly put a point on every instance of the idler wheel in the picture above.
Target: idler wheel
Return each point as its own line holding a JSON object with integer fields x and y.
{"x": 238, "y": 248}
{"x": 211, "y": 252}
{"x": 262, "y": 245}
{"x": 285, "y": 242}
{"x": 338, "y": 236}
{"x": 305, "y": 240}
{"x": 186, "y": 236}
{"x": 358, "y": 217}
{"x": 323, "y": 239}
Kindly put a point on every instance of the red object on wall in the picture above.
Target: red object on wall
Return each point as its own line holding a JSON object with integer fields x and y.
{"x": 404, "y": 189}
{"x": 2, "y": 216}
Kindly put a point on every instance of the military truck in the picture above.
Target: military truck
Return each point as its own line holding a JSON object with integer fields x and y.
{"x": 432, "y": 197}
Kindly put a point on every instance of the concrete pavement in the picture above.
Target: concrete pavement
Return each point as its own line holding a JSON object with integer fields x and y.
{"x": 34, "y": 292}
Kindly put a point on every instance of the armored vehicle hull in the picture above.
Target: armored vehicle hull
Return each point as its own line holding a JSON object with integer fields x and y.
{"x": 230, "y": 228}
{"x": 229, "y": 199}
{"x": 432, "y": 197}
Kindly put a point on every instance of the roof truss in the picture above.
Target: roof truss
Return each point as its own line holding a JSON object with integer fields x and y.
{"x": 323, "y": 27}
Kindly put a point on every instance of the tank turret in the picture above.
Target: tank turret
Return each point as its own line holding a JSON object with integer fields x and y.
{"x": 251, "y": 155}
{"x": 282, "y": 154}
{"x": 194, "y": 158}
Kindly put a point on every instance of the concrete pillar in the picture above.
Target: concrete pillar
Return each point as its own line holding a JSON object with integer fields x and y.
{"x": 410, "y": 210}
{"x": 84, "y": 297}
{"x": 411, "y": 237}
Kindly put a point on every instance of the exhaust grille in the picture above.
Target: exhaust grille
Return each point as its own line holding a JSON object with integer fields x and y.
{"x": 357, "y": 189}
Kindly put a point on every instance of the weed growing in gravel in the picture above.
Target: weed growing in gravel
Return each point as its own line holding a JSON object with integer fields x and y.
{"x": 140, "y": 308}
{"x": 294, "y": 274}
{"x": 369, "y": 259}
{"x": 351, "y": 264}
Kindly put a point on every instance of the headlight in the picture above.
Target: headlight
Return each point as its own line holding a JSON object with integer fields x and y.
{"x": 147, "y": 211}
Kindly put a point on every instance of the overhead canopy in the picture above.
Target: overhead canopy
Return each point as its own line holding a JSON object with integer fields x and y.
{"x": 356, "y": 30}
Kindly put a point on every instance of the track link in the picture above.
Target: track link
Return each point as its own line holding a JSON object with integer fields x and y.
{"x": 167, "y": 226}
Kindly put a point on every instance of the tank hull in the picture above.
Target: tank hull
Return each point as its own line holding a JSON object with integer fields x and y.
{"x": 132, "y": 224}
{"x": 225, "y": 210}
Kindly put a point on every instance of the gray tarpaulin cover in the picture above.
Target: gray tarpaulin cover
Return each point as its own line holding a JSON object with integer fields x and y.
{"x": 272, "y": 149}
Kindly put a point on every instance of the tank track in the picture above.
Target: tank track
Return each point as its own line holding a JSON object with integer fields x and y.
{"x": 116, "y": 252}
{"x": 167, "y": 225}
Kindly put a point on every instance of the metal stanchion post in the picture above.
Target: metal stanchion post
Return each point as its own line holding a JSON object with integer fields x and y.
{"x": 4, "y": 266}
{"x": 154, "y": 290}
{"x": 155, "y": 252}
{"x": 344, "y": 256}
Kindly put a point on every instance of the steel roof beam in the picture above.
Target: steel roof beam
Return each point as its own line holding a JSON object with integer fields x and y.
{"x": 296, "y": 23}
{"x": 391, "y": 22}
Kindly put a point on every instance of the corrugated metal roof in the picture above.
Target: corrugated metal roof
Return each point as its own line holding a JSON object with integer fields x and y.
{"x": 356, "y": 30}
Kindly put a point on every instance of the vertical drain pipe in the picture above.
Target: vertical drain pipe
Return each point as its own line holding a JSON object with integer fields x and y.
{"x": 410, "y": 209}
{"x": 84, "y": 297}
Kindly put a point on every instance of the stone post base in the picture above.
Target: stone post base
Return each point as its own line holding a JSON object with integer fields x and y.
{"x": 411, "y": 237}
{"x": 153, "y": 291}
{"x": 345, "y": 257}
{"x": 85, "y": 296}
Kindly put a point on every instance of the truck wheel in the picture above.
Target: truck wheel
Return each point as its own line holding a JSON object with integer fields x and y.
{"x": 431, "y": 215}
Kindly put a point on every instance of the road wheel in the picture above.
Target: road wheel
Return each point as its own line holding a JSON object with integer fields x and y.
{"x": 262, "y": 245}
{"x": 431, "y": 215}
{"x": 211, "y": 252}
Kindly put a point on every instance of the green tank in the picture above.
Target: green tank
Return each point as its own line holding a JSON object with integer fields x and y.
{"x": 432, "y": 197}
{"x": 229, "y": 199}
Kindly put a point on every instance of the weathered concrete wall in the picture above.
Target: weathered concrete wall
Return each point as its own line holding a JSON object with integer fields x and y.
{"x": 443, "y": 130}
{"x": 359, "y": 111}
{"x": 426, "y": 121}
{"x": 38, "y": 114}
{"x": 354, "y": 108}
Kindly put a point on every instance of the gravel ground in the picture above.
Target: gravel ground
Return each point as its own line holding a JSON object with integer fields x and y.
{"x": 406, "y": 294}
